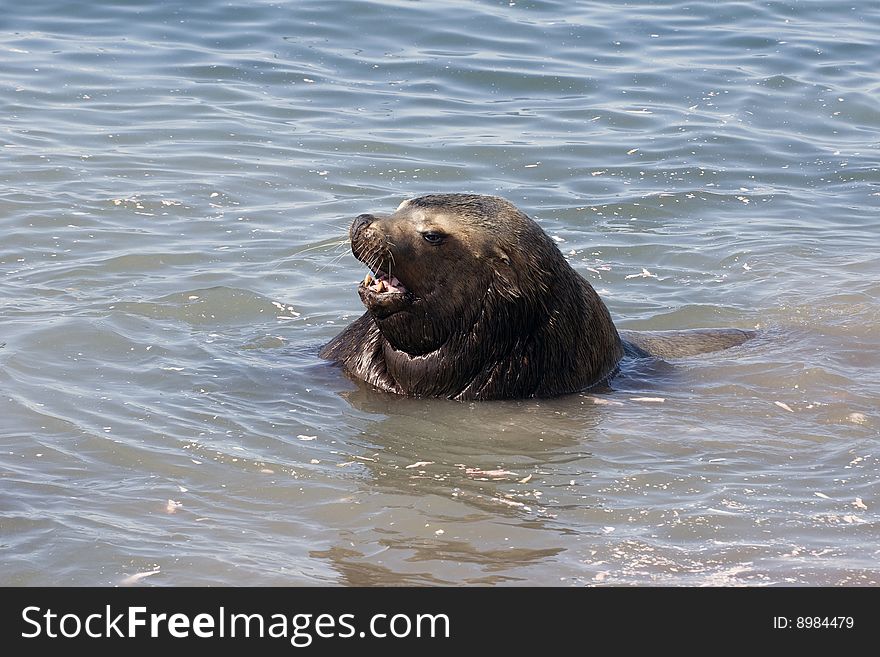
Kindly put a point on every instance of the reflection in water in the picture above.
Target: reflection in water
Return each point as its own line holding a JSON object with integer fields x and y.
{"x": 471, "y": 464}
{"x": 356, "y": 570}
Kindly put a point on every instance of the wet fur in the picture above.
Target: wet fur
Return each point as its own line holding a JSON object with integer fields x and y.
{"x": 498, "y": 314}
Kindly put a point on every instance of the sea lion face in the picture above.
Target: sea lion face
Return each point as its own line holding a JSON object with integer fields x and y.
{"x": 431, "y": 265}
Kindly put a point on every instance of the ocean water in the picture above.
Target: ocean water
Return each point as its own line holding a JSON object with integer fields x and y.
{"x": 176, "y": 181}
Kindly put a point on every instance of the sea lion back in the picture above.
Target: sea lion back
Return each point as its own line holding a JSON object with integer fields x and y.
{"x": 681, "y": 344}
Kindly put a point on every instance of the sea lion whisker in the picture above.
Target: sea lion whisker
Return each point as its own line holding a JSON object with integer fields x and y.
{"x": 375, "y": 263}
{"x": 335, "y": 260}
{"x": 335, "y": 244}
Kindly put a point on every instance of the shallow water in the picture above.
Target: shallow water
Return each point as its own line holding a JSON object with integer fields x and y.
{"x": 176, "y": 185}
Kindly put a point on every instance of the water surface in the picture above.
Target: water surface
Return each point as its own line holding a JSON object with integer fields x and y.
{"x": 177, "y": 180}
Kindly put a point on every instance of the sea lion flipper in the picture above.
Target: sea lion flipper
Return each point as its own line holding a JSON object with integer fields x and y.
{"x": 680, "y": 344}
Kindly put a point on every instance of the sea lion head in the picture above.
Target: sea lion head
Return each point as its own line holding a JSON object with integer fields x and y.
{"x": 441, "y": 263}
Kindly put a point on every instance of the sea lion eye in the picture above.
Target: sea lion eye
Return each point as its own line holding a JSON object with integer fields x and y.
{"x": 432, "y": 237}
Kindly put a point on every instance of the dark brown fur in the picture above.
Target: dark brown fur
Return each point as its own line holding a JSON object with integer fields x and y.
{"x": 492, "y": 311}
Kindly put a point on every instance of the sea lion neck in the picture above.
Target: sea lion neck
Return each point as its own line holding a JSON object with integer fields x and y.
{"x": 466, "y": 354}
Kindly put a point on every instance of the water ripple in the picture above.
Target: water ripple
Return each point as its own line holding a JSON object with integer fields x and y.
{"x": 177, "y": 184}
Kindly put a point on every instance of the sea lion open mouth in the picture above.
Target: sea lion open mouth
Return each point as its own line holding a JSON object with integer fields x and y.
{"x": 384, "y": 295}
{"x": 381, "y": 291}
{"x": 381, "y": 283}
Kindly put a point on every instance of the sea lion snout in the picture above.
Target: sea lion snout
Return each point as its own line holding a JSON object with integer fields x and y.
{"x": 360, "y": 222}
{"x": 368, "y": 243}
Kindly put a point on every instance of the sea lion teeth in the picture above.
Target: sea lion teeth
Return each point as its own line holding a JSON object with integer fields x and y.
{"x": 380, "y": 286}
{"x": 368, "y": 280}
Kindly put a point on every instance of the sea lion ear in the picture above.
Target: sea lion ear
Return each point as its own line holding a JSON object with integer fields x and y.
{"x": 507, "y": 284}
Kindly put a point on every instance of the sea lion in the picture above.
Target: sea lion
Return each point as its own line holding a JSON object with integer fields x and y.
{"x": 470, "y": 299}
